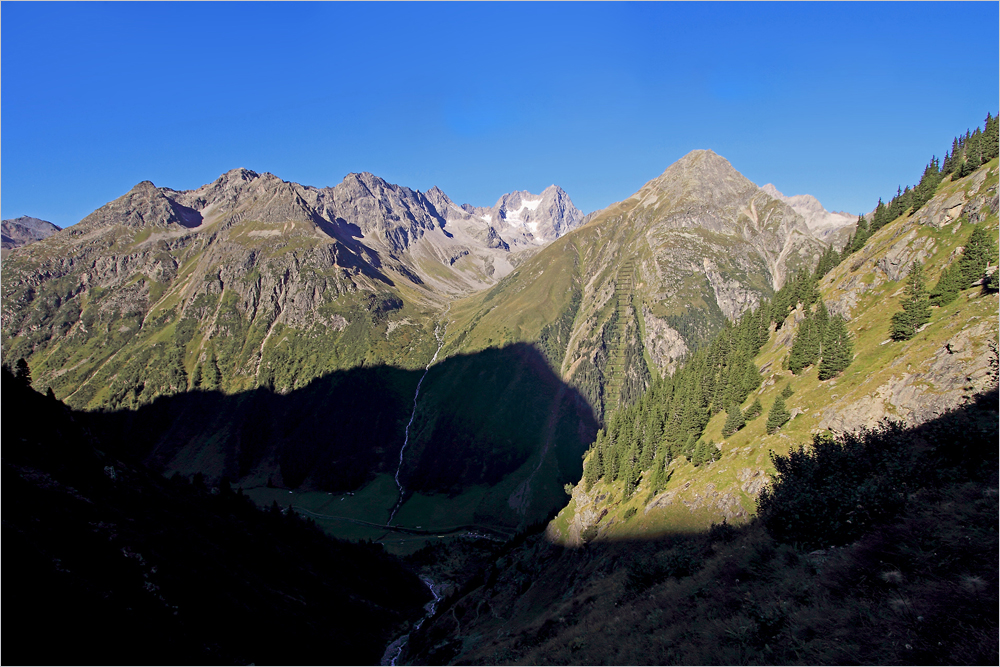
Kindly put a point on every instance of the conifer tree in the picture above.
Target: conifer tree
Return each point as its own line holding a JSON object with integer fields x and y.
{"x": 734, "y": 420}
{"x": 976, "y": 255}
{"x": 704, "y": 452}
{"x": 659, "y": 477}
{"x": 880, "y": 217}
{"x": 592, "y": 468}
{"x": 861, "y": 234}
{"x": 629, "y": 471}
{"x": 838, "y": 349}
{"x": 212, "y": 377}
{"x": 805, "y": 347}
{"x": 755, "y": 410}
{"x": 992, "y": 282}
{"x": 778, "y": 415}
{"x": 916, "y": 307}
{"x": 948, "y": 286}
{"x": 991, "y": 137}
{"x": 22, "y": 373}
{"x": 787, "y": 391}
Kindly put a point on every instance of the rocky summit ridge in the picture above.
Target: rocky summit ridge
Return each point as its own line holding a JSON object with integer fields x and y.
{"x": 832, "y": 226}
{"x": 21, "y": 231}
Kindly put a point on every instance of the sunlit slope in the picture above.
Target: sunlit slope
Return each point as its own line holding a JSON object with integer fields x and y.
{"x": 951, "y": 359}
{"x": 625, "y": 296}
{"x": 149, "y": 296}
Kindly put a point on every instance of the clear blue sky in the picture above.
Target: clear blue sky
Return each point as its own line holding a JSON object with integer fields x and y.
{"x": 842, "y": 101}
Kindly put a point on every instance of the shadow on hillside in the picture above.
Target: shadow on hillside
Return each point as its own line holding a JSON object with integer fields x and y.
{"x": 133, "y": 568}
{"x": 480, "y": 417}
{"x": 896, "y": 514}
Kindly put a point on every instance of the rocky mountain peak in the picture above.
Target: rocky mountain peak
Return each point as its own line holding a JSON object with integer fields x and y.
{"x": 143, "y": 206}
{"x": 829, "y": 226}
{"x": 701, "y": 177}
{"x": 24, "y": 230}
{"x": 238, "y": 175}
{"x": 545, "y": 217}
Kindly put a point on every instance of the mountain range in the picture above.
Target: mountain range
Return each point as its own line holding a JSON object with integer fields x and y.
{"x": 402, "y": 368}
{"x": 251, "y": 283}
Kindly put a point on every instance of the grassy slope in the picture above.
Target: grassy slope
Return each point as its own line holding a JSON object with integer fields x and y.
{"x": 875, "y": 363}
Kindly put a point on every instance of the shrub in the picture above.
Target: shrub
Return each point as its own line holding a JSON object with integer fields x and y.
{"x": 835, "y": 490}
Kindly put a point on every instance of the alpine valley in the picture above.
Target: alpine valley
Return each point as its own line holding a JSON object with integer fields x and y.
{"x": 707, "y": 424}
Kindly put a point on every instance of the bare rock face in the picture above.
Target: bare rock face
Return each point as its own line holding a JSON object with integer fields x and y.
{"x": 832, "y": 227}
{"x": 941, "y": 212}
{"x": 665, "y": 345}
{"x": 535, "y": 218}
{"x": 896, "y": 262}
{"x": 395, "y": 215}
{"x": 21, "y": 231}
{"x": 143, "y": 206}
{"x": 958, "y": 370}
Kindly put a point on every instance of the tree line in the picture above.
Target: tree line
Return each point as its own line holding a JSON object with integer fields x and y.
{"x": 669, "y": 419}
{"x": 968, "y": 152}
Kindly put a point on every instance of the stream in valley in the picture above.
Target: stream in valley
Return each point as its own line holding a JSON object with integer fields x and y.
{"x": 395, "y": 649}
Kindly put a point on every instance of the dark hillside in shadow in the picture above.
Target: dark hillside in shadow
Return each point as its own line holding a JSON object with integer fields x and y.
{"x": 880, "y": 548}
{"x": 106, "y": 562}
{"x": 480, "y": 418}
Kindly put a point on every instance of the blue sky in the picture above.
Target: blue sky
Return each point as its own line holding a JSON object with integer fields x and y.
{"x": 842, "y": 101}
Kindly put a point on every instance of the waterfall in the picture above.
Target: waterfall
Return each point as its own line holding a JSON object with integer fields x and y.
{"x": 439, "y": 334}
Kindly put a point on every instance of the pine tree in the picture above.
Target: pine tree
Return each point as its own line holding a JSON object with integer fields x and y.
{"x": 991, "y": 137}
{"x": 22, "y": 373}
{"x": 704, "y": 452}
{"x": 838, "y": 349}
{"x": 916, "y": 307}
{"x": 734, "y": 420}
{"x": 755, "y": 410}
{"x": 629, "y": 472}
{"x": 861, "y": 234}
{"x": 778, "y": 415}
{"x": 213, "y": 377}
{"x": 879, "y": 218}
{"x": 592, "y": 468}
{"x": 948, "y": 286}
{"x": 976, "y": 255}
{"x": 805, "y": 347}
{"x": 787, "y": 391}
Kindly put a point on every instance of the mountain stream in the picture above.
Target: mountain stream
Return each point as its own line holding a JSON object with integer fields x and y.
{"x": 395, "y": 649}
{"x": 439, "y": 334}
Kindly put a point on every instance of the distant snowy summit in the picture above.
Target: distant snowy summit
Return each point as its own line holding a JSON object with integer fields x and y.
{"x": 521, "y": 218}
{"x": 829, "y": 226}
